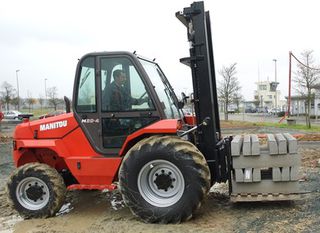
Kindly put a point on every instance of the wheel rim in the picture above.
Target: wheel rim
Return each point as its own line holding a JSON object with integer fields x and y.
{"x": 161, "y": 183}
{"x": 32, "y": 193}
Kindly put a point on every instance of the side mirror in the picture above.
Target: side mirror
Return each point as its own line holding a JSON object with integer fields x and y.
{"x": 183, "y": 101}
{"x": 180, "y": 104}
{"x": 184, "y": 97}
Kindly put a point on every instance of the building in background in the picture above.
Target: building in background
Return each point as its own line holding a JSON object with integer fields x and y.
{"x": 268, "y": 97}
{"x": 298, "y": 104}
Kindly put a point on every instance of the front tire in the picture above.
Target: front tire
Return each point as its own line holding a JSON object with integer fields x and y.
{"x": 164, "y": 179}
{"x": 36, "y": 190}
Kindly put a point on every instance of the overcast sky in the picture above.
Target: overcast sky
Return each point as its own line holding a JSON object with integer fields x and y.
{"x": 44, "y": 39}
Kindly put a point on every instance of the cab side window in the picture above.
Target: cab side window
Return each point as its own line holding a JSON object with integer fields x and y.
{"x": 86, "y": 98}
{"x": 122, "y": 87}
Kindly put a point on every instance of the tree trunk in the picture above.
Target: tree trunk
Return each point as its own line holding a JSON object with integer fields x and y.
{"x": 226, "y": 111}
{"x": 308, "y": 110}
{"x": 309, "y": 113}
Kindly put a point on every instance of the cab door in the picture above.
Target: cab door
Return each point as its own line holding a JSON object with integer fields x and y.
{"x": 106, "y": 125}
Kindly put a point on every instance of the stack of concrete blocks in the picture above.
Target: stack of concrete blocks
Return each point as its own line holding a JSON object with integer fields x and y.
{"x": 268, "y": 172}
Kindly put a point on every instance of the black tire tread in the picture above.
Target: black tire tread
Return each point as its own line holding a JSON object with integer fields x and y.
{"x": 179, "y": 145}
{"x": 59, "y": 188}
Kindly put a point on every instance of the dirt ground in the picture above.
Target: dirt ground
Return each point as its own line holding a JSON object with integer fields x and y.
{"x": 92, "y": 211}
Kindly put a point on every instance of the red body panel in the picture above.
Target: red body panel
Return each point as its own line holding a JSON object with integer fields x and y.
{"x": 60, "y": 142}
{"x": 94, "y": 170}
{"x": 54, "y": 127}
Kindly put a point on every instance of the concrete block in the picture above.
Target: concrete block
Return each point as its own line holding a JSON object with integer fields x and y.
{"x": 255, "y": 147}
{"x": 272, "y": 144}
{"x": 239, "y": 175}
{"x": 266, "y": 186}
{"x": 266, "y": 160}
{"x": 276, "y": 174}
{"x": 236, "y": 145}
{"x": 285, "y": 174}
{"x": 247, "y": 175}
{"x": 282, "y": 143}
{"x": 246, "y": 149}
{"x": 256, "y": 175}
{"x": 292, "y": 143}
{"x": 294, "y": 173}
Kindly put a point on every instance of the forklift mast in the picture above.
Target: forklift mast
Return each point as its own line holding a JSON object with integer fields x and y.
{"x": 201, "y": 62}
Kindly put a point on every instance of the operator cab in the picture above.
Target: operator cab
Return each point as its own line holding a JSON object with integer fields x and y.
{"x": 107, "y": 116}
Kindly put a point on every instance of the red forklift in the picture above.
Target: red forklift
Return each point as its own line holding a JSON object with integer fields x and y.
{"x": 162, "y": 161}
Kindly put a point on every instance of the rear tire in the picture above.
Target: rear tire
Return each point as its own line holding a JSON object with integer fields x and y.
{"x": 164, "y": 179}
{"x": 36, "y": 190}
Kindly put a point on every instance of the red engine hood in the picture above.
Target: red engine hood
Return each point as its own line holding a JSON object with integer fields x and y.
{"x": 52, "y": 127}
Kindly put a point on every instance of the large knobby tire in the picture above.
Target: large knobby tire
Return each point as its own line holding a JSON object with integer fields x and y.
{"x": 36, "y": 190}
{"x": 164, "y": 179}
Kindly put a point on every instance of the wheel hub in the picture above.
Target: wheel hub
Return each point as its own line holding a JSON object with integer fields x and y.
{"x": 35, "y": 192}
{"x": 164, "y": 180}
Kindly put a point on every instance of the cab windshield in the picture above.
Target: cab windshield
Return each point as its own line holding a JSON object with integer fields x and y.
{"x": 162, "y": 88}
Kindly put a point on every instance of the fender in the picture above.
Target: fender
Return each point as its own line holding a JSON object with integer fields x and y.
{"x": 20, "y": 146}
{"x": 168, "y": 126}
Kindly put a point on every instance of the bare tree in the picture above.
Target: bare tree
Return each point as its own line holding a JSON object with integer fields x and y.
{"x": 53, "y": 100}
{"x": 15, "y": 102}
{"x": 228, "y": 87}
{"x": 41, "y": 101}
{"x": 237, "y": 99}
{"x": 7, "y": 93}
{"x": 30, "y": 101}
{"x": 305, "y": 78}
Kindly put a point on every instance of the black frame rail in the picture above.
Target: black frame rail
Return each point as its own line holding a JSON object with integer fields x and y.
{"x": 201, "y": 62}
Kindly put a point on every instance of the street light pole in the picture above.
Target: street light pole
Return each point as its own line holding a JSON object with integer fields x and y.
{"x": 18, "y": 89}
{"x": 275, "y": 79}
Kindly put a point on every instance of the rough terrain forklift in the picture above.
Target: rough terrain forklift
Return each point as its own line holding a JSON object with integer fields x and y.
{"x": 163, "y": 162}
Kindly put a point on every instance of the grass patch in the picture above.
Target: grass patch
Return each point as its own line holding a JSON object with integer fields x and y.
{"x": 39, "y": 112}
{"x": 313, "y": 128}
{"x": 236, "y": 124}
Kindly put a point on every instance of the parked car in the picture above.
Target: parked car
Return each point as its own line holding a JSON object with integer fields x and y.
{"x": 16, "y": 115}
{"x": 262, "y": 110}
{"x": 51, "y": 114}
{"x": 232, "y": 110}
{"x": 250, "y": 110}
{"x": 274, "y": 111}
